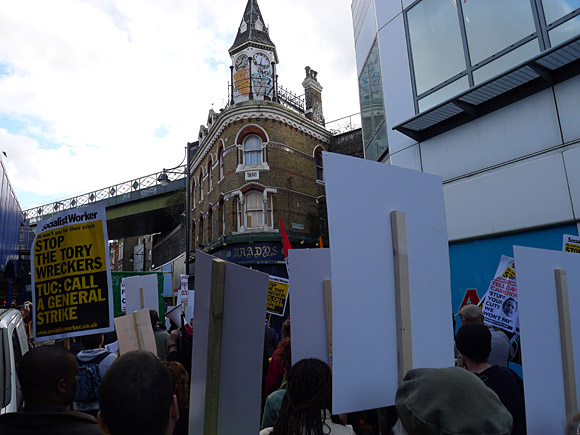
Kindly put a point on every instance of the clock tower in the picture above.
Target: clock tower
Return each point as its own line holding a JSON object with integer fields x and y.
{"x": 254, "y": 59}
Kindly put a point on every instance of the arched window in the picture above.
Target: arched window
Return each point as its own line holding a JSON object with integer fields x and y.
{"x": 254, "y": 209}
{"x": 209, "y": 177}
{"x": 319, "y": 165}
{"x": 193, "y": 187}
{"x": 200, "y": 239}
{"x": 210, "y": 227}
{"x": 201, "y": 185}
{"x": 252, "y": 150}
{"x": 221, "y": 162}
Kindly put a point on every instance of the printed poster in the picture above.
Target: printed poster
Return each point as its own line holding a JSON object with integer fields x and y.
{"x": 500, "y": 303}
{"x": 184, "y": 292}
{"x": 71, "y": 279}
{"x": 277, "y": 295}
{"x": 123, "y": 296}
{"x": 571, "y": 243}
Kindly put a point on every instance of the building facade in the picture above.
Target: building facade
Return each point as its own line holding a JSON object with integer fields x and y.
{"x": 259, "y": 160}
{"x": 484, "y": 94}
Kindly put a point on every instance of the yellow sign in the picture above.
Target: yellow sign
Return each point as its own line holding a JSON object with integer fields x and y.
{"x": 277, "y": 295}
{"x": 72, "y": 288}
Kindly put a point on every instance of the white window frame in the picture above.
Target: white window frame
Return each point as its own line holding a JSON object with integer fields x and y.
{"x": 210, "y": 177}
{"x": 263, "y": 165}
{"x": 259, "y": 152}
{"x": 221, "y": 161}
{"x": 259, "y": 208}
{"x": 201, "y": 185}
{"x": 267, "y": 203}
{"x": 318, "y": 152}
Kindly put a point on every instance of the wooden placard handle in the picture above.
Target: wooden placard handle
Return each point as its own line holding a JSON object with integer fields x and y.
{"x": 138, "y": 331}
{"x": 214, "y": 346}
{"x": 568, "y": 370}
{"x": 142, "y": 298}
{"x": 402, "y": 297}
{"x": 328, "y": 312}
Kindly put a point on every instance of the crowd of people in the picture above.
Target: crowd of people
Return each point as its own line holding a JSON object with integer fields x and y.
{"x": 95, "y": 391}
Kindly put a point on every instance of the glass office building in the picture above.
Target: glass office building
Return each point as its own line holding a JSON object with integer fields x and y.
{"x": 486, "y": 95}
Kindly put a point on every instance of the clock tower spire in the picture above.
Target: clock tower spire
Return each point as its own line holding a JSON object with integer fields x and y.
{"x": 254, "y": 58}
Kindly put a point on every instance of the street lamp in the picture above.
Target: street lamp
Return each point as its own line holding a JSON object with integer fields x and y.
{"x": 163, "y": 179}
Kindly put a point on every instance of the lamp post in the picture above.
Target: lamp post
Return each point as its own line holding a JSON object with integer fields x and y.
{"x": 163, "y": 179}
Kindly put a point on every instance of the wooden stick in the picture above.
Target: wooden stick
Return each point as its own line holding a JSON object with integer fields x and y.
{"x": 566, "y": 343}
{"x": 139, "y": 331}
{"x": 214, "y": 346}
{"x": 67, "y": 343}
{"x": 328, "y": 312}
{"x": 142, "y": 299}
{"x": 402, "y": 297}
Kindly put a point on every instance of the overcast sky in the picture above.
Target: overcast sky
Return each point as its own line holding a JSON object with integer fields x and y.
{"x": 96, "y": 92}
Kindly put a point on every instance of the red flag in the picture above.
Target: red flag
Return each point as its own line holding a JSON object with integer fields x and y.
{"x": 285, "y": 243}
{"x": 320, "y": 242}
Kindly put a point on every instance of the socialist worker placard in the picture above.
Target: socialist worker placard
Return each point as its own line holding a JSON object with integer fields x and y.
{"x": 71, "y": 279}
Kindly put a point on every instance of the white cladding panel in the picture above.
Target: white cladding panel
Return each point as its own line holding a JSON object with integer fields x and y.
{"x": 568, "y": 100}
{"x": 572, "y": 163}
{"x": 387, "y": 10}
{"x": 517, "y": 130}
{"x": 396, "y": 77}
{"x": 408, "y": 158}
{"x": 512, "y": 198}
{"x": 365, "y": 39}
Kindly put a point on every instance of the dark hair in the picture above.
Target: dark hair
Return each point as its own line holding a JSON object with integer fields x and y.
{"x": 309, "y": 392}
{"x": 135, "y": 395}
{"x": 154, "y": 318}
{"x": 474, "y": 341}
{"x": 180, "y": 379}
{"x": 286, "y": 328}
{"x": 92, "y": 341}
{"x": 284, "y": 354}
{"x": 42, "y": 368}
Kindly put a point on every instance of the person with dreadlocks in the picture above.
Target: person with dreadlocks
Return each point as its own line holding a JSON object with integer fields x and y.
{"x": 306, "y": 406}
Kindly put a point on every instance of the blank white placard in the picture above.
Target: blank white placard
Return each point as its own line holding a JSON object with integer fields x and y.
{"x": 150, "y": 292}
{"x": 308, "y": 271}
{"x": 360, "y": 196}
{"x": 540, "y": 334}
{"x": 244, "y": 312}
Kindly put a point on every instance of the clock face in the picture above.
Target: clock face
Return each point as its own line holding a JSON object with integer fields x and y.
{"x": 241, "y": 61}
{"x": 261, "y": 61}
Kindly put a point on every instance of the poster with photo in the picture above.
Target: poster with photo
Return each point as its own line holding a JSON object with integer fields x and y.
{"x": 500, "y": 303}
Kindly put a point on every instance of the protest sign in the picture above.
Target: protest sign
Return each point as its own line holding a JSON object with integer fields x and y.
{"x": 118, "y": 278}
{"x": 71, "y": 279}
{"x": 123, "y": 297}
{"x": 277, "y": 295}
{"x": 186, "y": 301}
{"x": 310, "y": 268}
{"x": 364, "y": 314}
{"x": 571, "y": 243}
{"x": 543, "y": 320}
{"x": 227, "y": 391}
{"x": 134, "y": 332}
{"x": 500, "y": 302}
{"x": 184, "y": 291}
{"x": 142, "y": 292}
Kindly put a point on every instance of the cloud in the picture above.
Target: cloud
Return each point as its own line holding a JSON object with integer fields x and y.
{"x": 104, "y": 91}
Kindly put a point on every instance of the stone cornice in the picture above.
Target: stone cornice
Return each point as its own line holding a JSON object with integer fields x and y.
{"x": 261, "y": 110}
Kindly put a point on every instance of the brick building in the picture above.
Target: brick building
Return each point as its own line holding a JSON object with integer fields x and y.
{"x": 259, "y": 160}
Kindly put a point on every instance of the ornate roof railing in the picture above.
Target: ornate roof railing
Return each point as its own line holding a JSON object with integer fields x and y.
{"x": 263, "y": 88}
